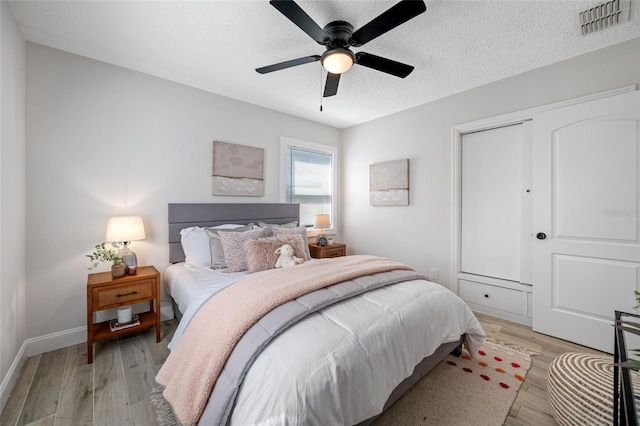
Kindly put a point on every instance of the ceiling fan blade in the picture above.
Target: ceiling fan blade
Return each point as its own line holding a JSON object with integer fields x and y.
{"x": 331, "y": 86}
{"x": 288, "y": 64}
{"x": 291, "y": 10}
{"x": 383, "y": 64}
{"x": 396, "y": 15}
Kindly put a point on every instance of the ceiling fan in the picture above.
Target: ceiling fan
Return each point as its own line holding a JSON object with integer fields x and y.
{"x": 338, "y": 37}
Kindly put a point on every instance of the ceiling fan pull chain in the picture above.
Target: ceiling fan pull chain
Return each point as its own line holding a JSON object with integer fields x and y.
{"x": 321, "y": 87}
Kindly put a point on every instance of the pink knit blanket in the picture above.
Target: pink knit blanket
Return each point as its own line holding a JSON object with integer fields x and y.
{"x": 192, "y": 368}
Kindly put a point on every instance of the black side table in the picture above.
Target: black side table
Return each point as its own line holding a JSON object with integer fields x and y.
{"x": 624, "y": 398}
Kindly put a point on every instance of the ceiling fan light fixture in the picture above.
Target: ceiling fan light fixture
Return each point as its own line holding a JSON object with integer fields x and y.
{"x": 338, "y": 60}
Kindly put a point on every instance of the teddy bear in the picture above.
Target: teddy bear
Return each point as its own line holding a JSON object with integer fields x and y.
{"x": 286, "y": 257}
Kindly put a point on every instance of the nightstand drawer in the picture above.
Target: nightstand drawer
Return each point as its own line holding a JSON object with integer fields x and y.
{"x": 328, "y": 251}
{"x": 113, "y": 296}
{"x": 334, "y": 252}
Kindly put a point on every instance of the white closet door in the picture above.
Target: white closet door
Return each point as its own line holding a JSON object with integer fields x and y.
{"x": 492, "y": 202}
{"x": 586, "y": 176}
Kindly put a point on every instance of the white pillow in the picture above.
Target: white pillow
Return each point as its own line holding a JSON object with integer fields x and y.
{"x": 195, "y": 244}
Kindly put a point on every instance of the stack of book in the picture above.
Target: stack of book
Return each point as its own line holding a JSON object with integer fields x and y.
{"x": 115, "y": 326}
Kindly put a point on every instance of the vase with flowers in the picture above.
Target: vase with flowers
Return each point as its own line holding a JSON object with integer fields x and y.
{"x": 102, "y": 253}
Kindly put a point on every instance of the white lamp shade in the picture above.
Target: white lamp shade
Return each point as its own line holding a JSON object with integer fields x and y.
{"x": 125, "y": 228}
{"x": 322, "y": 221}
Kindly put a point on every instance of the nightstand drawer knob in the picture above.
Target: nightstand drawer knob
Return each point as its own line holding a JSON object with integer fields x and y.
{"x": 126, "y": 294}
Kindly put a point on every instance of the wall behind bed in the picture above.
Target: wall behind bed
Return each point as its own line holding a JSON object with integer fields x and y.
{"x": 103, "y": 141}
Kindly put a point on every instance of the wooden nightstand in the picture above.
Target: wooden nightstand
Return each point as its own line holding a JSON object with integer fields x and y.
{"x": 332, "y": 250}
{"x": 106, "y": 292}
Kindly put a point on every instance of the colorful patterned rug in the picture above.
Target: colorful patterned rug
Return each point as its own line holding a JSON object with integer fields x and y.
{"x": 478, "y": 390}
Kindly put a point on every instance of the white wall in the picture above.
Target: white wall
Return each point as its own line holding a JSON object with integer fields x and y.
{"x": 420, "y": 234}
{"x": 105, "y": 141}
{"x": 12, "y": 192}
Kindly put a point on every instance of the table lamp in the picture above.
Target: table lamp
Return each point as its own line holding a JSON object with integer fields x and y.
{"x": 321, "y": 222}
{"x": 126, "y": 229}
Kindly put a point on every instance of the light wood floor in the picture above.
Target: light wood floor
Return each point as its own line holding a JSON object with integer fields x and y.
{"x": 531, "y": 407}
{"x": 59, "y": 388}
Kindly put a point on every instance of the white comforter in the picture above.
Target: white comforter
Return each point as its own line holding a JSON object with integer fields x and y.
{"x": 338, "y": 366}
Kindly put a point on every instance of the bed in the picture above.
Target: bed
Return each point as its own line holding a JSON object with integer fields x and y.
{"x": 340, "y": 363}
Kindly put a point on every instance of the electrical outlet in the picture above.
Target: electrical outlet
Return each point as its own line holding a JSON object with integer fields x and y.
{"x": 434, "y": 274}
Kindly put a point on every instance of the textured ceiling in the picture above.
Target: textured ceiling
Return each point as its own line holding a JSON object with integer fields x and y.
{"x": 216, "y": 46}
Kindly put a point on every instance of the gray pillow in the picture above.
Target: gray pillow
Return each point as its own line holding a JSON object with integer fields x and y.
{"x": 269, "y": 226}
{"x": 217, "y": 254}
{"x": 301, "y": 230}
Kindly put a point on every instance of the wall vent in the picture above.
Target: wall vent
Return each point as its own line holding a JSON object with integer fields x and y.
{"x": 603, "y": 16}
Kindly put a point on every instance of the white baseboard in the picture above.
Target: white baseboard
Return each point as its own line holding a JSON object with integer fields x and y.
{"x": 63, "y": 339}
{"x": 36, "y": 346}
{"x": 52, "y": 342}
{"x": 11, "y": 378}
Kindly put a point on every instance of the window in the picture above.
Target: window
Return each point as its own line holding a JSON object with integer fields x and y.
{"x": 309, "y": 179}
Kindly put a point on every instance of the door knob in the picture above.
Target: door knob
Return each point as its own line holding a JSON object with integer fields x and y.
{"x": 541, "y": 236}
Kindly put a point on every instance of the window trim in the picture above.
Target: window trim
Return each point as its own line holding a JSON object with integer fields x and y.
{"x": 285, "y": 143}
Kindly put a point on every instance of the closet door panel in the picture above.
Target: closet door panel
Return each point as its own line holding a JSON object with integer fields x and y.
{"x": 586, "y": 176}
{"x": 492, "y": 202}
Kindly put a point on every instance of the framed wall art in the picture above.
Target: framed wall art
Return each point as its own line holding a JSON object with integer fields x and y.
{"x": 389, "y": 183}
{"x": 237, "y": 170}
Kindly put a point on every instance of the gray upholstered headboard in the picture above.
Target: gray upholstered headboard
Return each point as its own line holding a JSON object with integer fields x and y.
{"x": 186, "y": 215}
